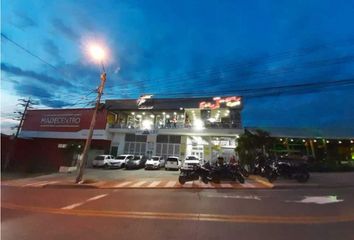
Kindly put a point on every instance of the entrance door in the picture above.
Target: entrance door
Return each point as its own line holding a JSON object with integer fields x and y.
{"x": 114, "y": 151}
{"x": 198, "y": 151}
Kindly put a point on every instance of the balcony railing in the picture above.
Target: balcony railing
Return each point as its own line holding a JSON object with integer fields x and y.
{"x": 177, "y": 126}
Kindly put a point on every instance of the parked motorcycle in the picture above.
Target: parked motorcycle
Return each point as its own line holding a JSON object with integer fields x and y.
{"x": 225, "y": 172}
{"x": 292, "y": 169}
{"x": 193, "y": 173}
{"x": 242, "y": 170}
{"x": 283, "y": 167}
{"x": 264, "y": 167}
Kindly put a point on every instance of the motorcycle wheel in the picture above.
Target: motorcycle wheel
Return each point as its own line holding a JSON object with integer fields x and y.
{"x": 205, "y": 180}
{"x": 272, "y": 177}
{"x": 181, "y": 180}
{"x": 245, "y": 173}
{"x": 215, "y": 180}
{"x": 240, "y": 178}
{"x": 303, "y": 177}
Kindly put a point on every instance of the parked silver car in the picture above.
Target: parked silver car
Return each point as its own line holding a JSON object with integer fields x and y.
{"x": 155, "y": 162}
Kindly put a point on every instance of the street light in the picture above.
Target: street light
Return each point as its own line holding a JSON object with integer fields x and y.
{"x": 98, "y": 54}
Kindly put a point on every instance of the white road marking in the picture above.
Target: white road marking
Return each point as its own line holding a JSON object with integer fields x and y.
{"x": 138, "y": 184}
{"x": 188, "y": 185}
{"x": 205, "y": 185}
{"x": 319, "y": 199}
{"x": 249, "y": 197}
{"x": 122, "y": 184}
{"x": 72, "y": 206}
{"x": 154, "y": 184}
{"x": 97, "y": 197}
{"x": 35, "y": 184}
{"x": 226, "y": 185}
{"x": 248, "y": 185}
{"x": 170, "y": 184}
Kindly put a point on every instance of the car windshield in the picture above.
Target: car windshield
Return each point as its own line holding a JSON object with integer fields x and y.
{"x": 121, "y": 157}
{"x": 191, "y": 158}
{"x": 136, "y": 158}
{"x": 155, "y": 158}
{"x": 99, "y": 158}
{"x": 172, "y": 159}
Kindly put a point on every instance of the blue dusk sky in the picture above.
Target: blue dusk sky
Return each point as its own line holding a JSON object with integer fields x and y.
{"x": 292, "y": 61}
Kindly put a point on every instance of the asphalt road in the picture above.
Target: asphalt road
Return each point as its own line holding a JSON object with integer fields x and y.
{"x": 41, "y": 213}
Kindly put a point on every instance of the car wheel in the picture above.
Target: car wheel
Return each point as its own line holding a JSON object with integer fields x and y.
{"x": 106, "y": 166}
{"x": 166, "y": 169}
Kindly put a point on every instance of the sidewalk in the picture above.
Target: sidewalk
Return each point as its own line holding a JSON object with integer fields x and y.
{"x": 98, "y": 178}
{"x": 319, "y": 180}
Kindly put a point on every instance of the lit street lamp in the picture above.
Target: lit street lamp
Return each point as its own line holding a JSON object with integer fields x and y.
{"x": 98, "y": 54}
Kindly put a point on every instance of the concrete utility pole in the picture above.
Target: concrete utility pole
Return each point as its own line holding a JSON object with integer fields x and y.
{"x": 26, "y": 104}
{"x": 83, "y": 161}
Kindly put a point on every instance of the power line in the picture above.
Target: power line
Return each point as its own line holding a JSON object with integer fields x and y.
{"x": 27, "y": 51}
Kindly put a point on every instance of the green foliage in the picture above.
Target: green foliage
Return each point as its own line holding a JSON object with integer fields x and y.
{"x": 251, "y": 143}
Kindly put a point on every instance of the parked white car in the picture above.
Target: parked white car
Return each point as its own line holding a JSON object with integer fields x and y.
{"x": 172, "y": 163}
{"x": 191, "y": 161}
{"x": 155, "y": 162}
{"x": 106, "y": 161}
{"x": 123, "y": 159}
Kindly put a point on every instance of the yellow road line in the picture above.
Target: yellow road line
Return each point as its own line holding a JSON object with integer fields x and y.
{"x": 261, "y": 181}
{"x": 189, "y": 216}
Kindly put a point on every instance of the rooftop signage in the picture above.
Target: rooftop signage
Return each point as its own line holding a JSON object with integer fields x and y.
{"x": 69, "y": 120}
{"x": 218, "y": 102}
{"x": 60, "y": 120}
{"x": 146, "y": 132}
{"x": 144, "y": 102}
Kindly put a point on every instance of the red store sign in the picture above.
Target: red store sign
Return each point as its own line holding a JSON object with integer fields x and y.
{"x": 68, "y": 120}
{"x": 233, "y": 101}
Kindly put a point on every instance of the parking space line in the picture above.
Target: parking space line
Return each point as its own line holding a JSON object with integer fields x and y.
{"x": 170, "y": 184}
{"x": 122, "y": 184}
{"x": 138, "y": 184}
{"x": 154, "y": 184}
{"x": 226, "y": 185}
{"x": 188, "y": 185}
{"x": 207, "y": 185}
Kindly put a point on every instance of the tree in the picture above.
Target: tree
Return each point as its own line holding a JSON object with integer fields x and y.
{"x": 249, "y": 144}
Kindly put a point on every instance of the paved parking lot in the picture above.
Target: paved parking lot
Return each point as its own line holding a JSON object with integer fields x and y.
{"x": 123, "y": 174}
{"x": 122, "y": 178}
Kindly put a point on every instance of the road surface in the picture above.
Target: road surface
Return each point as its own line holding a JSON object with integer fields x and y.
{"x": 42, "y": 213}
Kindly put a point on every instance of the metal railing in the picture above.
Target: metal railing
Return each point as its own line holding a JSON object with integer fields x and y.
{"x": 176, "y": 126}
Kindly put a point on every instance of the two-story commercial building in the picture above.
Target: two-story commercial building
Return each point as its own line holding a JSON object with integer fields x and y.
{"x": 204, "y": 127}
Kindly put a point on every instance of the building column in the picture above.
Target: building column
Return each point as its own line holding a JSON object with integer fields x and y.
{"x": 313, "y": 153}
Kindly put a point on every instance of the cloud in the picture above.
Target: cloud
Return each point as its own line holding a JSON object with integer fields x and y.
{"x": 43, "y": 78}
{"x": 52, "y": 49}
{"x": 39, "y": 92}
{"x": 60, "y": 26}
{"x": 23, "y": 21}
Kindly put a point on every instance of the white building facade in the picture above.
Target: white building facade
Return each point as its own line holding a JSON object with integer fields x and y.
{"x": 203, "y": 127}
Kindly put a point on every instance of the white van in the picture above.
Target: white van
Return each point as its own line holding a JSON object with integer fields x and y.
{"x": 106, "y": 161}
{"x": 172, "y": 163}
